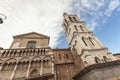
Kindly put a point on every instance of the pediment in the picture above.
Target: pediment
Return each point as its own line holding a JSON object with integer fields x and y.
{"x": 31, "y": 35}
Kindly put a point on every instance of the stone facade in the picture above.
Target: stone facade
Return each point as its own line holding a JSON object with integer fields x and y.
{"x": 117, "y": 56}
{"x": 88, "y": 51}
{"x": 64, "y": 65}
{"x": 30, "y": 57}
{"x": 25, "y": 62}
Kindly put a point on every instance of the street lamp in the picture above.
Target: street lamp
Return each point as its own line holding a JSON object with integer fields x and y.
{"x": 2, "y": 16}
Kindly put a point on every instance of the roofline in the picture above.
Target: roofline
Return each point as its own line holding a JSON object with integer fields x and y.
{"x": 29, "y": 33}
{"x": 61, "y": 49}
{"x": 116, "y": 54}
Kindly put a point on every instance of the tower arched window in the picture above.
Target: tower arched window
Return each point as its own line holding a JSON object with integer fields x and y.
{"x": 75, "y": 27}
{"x": 97, "y": 60}
{"x": 105, "y": 59}
{"x": 83, "y": 39}
{"x": 90, "y": 39}
{"x": 71, "y": 19}
{"x": 74, "y": 18}
{"x": 81, "y": 28}
{"x": 31, "y": 44}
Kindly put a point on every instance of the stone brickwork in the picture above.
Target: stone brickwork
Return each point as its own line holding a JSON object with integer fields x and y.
{"x": 86, "y": 48}
{"x": 104, "y": 71}
{"x": 117, "y": 56}
{"x": 30, "y": 57}
{"x": 64, "y": 65}
{"x": 24, "y": 63}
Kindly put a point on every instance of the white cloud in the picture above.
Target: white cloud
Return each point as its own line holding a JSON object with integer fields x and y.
{"x": 113, "y": 4}
{"x": 46, "y": 16}
{"x": 42, "y": 16}
{"x": 94, "y": 12}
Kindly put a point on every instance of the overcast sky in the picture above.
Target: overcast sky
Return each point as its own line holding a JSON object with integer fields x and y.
{"x": 46, "y": 17}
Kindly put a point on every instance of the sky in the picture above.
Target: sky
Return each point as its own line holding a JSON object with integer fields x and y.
{"x": 46, "y": 17}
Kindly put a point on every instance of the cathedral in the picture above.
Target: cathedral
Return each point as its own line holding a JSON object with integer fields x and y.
{"x": 30, "y": 57}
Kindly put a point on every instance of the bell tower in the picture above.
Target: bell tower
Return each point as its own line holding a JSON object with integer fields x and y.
{"x": 85, "y": 46}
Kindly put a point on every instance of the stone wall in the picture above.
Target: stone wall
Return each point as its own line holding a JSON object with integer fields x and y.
{"x": 64, "y": 64}
{"x": 25, "y": 63}
{"x": 103, "y": 71}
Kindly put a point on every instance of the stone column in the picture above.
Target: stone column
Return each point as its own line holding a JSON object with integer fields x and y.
{"x": 13, "y": 73}
{"x": 41, "y": 69}
{"x": 28, "y": 69}
{"x": 52, "y": 67}
{"x": 9, "y": 54}
{"x": 1, "y": 67}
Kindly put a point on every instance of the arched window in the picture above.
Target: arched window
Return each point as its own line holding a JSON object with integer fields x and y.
{"x": 75, "y": 27}
{"x": 59, "y": 56}
{"x": 105, "y": 59}
{"x": 83, "y": 39}
{"x": 41, "y": 51}
{"x": 67, "y": 56}
{"x": 11, "y": 53}
{"x": 44, "y": 52}
{"x": 81, "y": 28}
{"x": 85, "y": 62}
{"x": 97, "y": 60}
{"x": 15, "y": 53}
{"x": 3, "y": 53}
{"x": 74, "y": 18}
{"x": 90, "y": 39}
{"x": 71, "y": 19}
{"x": 38, "y": 52}
{"x": 20, "y": 53}
{"x": 31, "y": 44}
{"x": 6, "y": 54}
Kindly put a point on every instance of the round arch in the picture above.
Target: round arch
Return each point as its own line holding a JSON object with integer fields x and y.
{"x": 11, "y": 60}
{"x": 47, "y": 58}
{"x": 36, "y": 58}
{"x": 24, "y": 59}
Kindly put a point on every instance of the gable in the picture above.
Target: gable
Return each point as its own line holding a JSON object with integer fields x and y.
{"x": 31, "y": 35}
